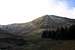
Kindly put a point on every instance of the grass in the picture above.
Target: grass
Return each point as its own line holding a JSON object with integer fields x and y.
{"x": 35, "y": 42}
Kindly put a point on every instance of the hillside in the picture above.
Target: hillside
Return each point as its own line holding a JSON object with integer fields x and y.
{"x": 48, "y": 32}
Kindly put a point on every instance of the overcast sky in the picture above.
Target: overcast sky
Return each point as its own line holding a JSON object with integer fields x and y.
{"x": 17, "y": 11}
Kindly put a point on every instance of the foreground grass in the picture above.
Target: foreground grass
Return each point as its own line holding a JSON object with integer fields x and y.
{"x": 34, "y": 42}
{"x": 50, "y": 45}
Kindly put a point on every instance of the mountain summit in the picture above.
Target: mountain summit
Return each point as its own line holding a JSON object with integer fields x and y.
{"x": 52, "y": 21}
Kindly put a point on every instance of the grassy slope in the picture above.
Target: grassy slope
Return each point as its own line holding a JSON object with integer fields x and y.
{"x": 35, "y": 42}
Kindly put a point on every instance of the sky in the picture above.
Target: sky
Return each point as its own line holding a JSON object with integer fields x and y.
{"x": 21, "y": 11}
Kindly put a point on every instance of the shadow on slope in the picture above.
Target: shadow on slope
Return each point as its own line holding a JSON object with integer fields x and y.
{"x": 9, "y": 41}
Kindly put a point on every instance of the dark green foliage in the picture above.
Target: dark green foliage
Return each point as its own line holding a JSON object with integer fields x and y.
{"x": 60, "y": 34}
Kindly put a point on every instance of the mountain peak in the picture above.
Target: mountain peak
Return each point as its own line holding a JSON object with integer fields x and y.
{"x": 52, "y": 21}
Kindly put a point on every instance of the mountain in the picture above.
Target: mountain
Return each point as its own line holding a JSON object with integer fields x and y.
{"x": 45, "y": 22}
{"x": 44, "y": 33}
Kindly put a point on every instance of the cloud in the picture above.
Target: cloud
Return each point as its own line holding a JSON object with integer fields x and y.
{"x": 61, "y": 8}
{"x": 17, "y": 11}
